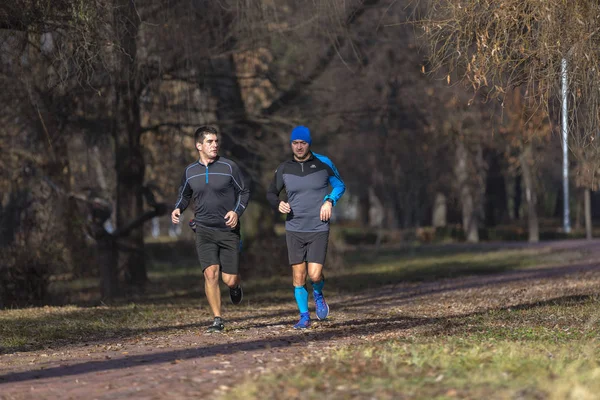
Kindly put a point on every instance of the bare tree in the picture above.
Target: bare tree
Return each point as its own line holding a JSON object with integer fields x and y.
{"x": 124, "y": 53}
{"x": 500, "y": 45}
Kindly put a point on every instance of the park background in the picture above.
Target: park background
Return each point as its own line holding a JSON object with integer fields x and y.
{"x": 446, "y": 119}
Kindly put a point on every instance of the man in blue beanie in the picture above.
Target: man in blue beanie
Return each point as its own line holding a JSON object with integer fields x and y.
{"x": 306, "y": 178}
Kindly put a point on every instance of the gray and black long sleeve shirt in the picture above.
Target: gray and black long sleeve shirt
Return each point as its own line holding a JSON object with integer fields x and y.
{"x": 307, "y": 186}
{"x": 215, "y": 189}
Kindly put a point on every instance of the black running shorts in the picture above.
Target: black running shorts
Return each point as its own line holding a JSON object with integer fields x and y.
{"x": 215, "y": 247}
{"x": 307, "y": 246}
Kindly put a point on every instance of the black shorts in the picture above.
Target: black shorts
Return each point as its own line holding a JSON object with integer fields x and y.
{"x": 307, "y": 246}
{"x": 215, "y": 247}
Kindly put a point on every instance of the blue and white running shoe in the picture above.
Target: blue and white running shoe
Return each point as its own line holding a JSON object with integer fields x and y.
{"x": 321, "y": 306}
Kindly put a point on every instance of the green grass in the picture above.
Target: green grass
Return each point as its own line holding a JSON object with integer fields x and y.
{"x": 51, "y": 327}
{"x": 545, "y": 350}
{"x": 549, "y": 229}
{"x": 430, "y": 263}
{"x": 540, "y": 350}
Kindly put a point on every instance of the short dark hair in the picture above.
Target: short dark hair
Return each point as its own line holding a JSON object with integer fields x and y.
{"x": 204, "y": 130}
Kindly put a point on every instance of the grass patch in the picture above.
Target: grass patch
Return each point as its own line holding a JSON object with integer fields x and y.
{"x": 429, "y": 263}
{"x": 51, "y": 327}
{"x": 539, "y": 351}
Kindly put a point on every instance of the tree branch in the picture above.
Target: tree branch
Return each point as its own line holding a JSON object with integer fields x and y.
{"x": 298, "y": 87}
{"x": 160, "y": 209}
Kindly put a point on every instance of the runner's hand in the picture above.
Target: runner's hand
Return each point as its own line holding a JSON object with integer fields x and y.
{"x": 175, "y": 215}
{"x": 326, "y": 211}
{"x": 231, "y": 219}
{"x": 284, "y": 207}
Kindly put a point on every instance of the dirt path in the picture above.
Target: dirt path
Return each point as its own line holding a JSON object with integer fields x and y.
{"x": 192, "y": 364}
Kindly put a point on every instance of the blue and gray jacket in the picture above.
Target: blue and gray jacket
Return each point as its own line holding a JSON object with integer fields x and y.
{"x": 306, "y": 184}
{"x": 216, "y": 189}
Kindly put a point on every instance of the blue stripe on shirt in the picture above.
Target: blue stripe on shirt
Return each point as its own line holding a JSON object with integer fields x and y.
{"x": 335, "y": 181}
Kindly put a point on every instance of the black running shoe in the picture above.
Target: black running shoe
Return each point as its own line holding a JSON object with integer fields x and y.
{"x": 236, "y": 294}
{"x": 217, "y": 326}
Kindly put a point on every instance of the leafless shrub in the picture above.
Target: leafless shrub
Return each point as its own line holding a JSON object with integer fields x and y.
{"x": 26, "y": 271}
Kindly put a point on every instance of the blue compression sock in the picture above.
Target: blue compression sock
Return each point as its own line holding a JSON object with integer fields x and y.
{"x": 301, "y": 295}
{"x": 318, "y": 286}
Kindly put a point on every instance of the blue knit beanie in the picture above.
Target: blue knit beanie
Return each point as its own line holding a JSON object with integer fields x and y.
{"x": 301, "y": 133}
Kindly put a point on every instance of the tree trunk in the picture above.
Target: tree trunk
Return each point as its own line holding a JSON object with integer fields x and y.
{"x": 130, "y": 165}
{"x": 59, "y": 172}
{"x": 470, "y": 221}
{"x": 495, "y": 191}
{"x": 588, "y": 213}
{"x": 530, "y": 194}
{"x": 407, "y": 211}
{"x": 390, "y": 210}
{"x": 558, "y": 204}
{"x": 107, "y": 260}
{"x": 364, "y": 205}
{"x": 579, "y": 205}
{"x": 418, "y": 207}
{"x": 376, "y": 213}
{"x": 235, "y": 132}
{"x": 517, "y": 197}
{"x": 440, "y": 211}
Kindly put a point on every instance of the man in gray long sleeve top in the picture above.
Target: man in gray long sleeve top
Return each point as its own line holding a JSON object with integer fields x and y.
{"x": 306, "y": 178}
{"x": 216, "y": 186}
